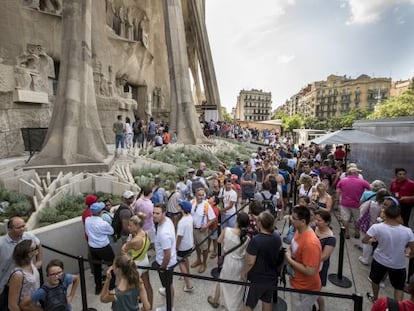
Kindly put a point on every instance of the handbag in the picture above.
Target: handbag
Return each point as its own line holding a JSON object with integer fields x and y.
{"x": 364, "y": 221}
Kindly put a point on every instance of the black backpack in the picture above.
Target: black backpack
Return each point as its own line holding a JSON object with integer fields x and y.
{"x": 268, "y": 204}
{"x": 116, "y": 221}
{"x": 137, "y": 127}
{"x": 55, "y": 299}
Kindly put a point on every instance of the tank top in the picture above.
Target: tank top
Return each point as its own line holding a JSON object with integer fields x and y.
{"x": 126, "y": 301}
{"x": 139, "y": 254}
{"x": 31, "y": 282}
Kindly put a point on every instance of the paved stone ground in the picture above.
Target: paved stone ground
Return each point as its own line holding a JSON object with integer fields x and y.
{"x": 353, "y": 270}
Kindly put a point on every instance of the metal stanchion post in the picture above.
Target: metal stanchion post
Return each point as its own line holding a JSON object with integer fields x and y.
{"x": 338, "y": 279}
{"x": 169, "y": 276}
{"x": 83, "y": 285}
{"x": 358, "y": 299}
{"x": 215, "y": 272}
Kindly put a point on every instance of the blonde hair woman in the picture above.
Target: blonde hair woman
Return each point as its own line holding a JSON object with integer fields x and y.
{"x": 321, "y": 199}
{"x": 137, "y": 249}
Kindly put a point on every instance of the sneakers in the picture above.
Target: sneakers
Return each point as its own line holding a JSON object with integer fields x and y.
{"x": 189, "y": 289}
{"x": 363, "y": 260}
{"x": 161, "y": 290}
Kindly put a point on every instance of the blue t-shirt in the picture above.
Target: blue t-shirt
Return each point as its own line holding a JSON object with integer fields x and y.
{"x": 40, "y": 294}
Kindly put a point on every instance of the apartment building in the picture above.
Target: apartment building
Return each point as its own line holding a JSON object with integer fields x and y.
{"x": 337, "y": 95}
{"x": 253, "y": 105}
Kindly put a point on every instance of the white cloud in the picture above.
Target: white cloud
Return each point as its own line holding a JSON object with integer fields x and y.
{"x": 284, "y": 59}
{"x": 370, "y": 11}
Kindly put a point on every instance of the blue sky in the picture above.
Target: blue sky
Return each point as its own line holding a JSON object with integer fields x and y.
{"x": 281, "y": 45}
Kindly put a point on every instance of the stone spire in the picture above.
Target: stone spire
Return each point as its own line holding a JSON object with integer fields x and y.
{"x": 75, "y": 132}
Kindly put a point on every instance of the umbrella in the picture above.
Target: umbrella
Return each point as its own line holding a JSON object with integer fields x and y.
{"x": 351, "y": 136}
{"x": 348, "y": 136}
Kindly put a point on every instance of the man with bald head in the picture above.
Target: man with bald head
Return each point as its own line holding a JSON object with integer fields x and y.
{"x": 15, "y": 234}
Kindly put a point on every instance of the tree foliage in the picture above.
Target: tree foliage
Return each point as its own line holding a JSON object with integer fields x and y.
{"x": 394, "y": 107}
{"x": 292, "y": 122}
{"x": 226, "y": 116}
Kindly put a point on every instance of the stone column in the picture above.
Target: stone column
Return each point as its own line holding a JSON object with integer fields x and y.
{"x": 75, "y": 133}
{"x": 197, "y": 20}
{"x": 183, "y": 117}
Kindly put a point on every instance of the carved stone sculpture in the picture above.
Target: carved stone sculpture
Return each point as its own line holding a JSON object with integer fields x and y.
{"x": 143, "y": 30}
{"x": 110, "y": 12}
{"x": 52, "y": 6}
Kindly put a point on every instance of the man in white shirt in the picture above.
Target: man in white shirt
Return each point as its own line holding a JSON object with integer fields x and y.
{"x": 185, "y": 240}
{"x": 229, "y": 197}
{"x": 203, "y": 217}
{"x": 98, "y": 232}
{"x": 165, "y": 248}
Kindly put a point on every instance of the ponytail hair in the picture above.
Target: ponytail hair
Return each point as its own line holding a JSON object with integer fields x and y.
{"x": 128, "y": 270}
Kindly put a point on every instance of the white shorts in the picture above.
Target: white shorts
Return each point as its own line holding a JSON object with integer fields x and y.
{"x": 144, "y": 263}
{"x": 346, "y": 213}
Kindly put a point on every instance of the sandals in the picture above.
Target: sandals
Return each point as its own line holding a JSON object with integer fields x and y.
{"x": 212, "y": 303}
{"x": 371, "y": 297}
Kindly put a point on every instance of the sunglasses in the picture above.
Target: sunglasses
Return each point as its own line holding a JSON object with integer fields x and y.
{"x": 34, "y": 248}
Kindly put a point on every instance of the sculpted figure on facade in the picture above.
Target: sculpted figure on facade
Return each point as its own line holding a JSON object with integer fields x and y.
{"x": 117, "y": 22}
{"x": 52, "y": 6}
{"x": 135, "y": 25}
{"x": 110, "y": 12}
{"x": 143, "y": 31}
{"x": 35, "y": 70}
{"x": 129, "y": 25}
{"x": 33, "y": 4}
{"x": 123, "y": 19}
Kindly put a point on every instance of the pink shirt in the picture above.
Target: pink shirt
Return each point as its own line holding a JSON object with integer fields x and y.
{"x": 351, "y": 188}
{"x": 146, "y": 207}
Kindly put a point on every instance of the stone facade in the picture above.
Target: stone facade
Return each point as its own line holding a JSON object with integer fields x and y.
{"x": 253, "y": 105}
{"x": 129, "y": 61}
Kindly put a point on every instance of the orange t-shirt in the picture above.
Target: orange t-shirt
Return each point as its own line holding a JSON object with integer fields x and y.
{"x": 306, "y": 249}
{"x": 166, "y": 138}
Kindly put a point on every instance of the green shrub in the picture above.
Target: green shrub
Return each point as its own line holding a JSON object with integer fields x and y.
{"x": 19, "y": 204}
{"x": 70, "y": 207}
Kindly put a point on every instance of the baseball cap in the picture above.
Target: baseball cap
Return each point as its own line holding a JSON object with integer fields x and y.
{"x": 127, "y": 194}
{"x": 185, "y": 205}
{"x": 97, "y": 207}
{"x": 90, "y": 199}
{"x": 314, "y": 173}
{"x": 191, "y": 171}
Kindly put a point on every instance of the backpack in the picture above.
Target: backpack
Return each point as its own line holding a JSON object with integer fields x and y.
{"x": 268, "y": 204}
{"x": 137, "y": 127}
{"x": 393, "y": 305}
{"x": 55, "y": 299}
{"x": 196, "y": 184}
{"x": 156, "y": 196}
{"x": 116, "y": 221}
{"x": 286, "y": 177}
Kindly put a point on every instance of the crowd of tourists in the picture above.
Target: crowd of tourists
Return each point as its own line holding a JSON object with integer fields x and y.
{"x": 236, "y": 208}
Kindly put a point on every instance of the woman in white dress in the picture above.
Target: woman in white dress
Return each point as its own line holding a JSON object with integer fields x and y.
{"x": 230, "y": 238}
